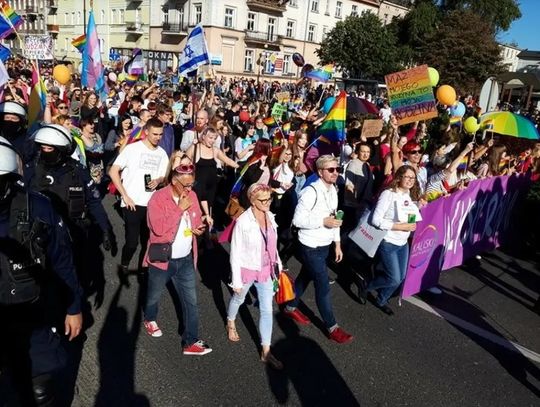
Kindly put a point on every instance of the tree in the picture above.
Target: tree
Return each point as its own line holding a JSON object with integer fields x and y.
{"x": 464, "y": 51}
{"x": 362, "y": 47}
{"x": 499, "y": 14}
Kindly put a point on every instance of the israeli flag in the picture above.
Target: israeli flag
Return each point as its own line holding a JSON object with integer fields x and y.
{"x": 195, "y": 53}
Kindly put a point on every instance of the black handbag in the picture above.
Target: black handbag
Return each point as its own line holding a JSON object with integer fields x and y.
{"x": 159, "y": 252}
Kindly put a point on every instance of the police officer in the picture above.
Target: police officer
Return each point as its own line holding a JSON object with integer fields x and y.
{"x": 70, "y": 188}
{"x": 13, "y": 122}
{"x": 38, "y": 284}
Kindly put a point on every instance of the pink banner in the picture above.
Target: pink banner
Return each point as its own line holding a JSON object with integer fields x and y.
{"x": 462, "y": 225}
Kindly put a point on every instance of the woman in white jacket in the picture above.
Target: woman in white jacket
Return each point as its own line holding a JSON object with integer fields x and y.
{"x": 254, "y": 259}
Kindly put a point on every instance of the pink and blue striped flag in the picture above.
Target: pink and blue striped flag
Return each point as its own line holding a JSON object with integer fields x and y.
{"x": 38, "y": 99}
{"x": 92, "y": 70}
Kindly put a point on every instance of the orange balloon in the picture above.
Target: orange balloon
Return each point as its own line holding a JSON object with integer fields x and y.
{"x": 62, "y": 74}
{"x": 446, "y": 95}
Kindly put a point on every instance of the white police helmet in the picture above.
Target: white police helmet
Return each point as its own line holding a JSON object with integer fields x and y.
{"x": 9, "y": 159}
{"x": 54, "y": 135}
{"x": 13, "y": 108}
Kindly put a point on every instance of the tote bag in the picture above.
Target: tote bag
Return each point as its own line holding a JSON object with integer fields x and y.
{"x": 366, "y": 236}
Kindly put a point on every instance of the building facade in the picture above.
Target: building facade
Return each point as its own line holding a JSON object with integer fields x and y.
{"x": 509, "y": 55}
{"x": 529, "y": 62}
{"x": 390, "y": 9}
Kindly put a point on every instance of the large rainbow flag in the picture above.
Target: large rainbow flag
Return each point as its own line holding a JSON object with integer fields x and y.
{"x": 323, "y": 74}
{"x": 332, "y": 129}
{"x": 12, "y": 19}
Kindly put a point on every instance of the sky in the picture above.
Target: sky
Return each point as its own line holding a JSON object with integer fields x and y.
{"x": 525, "y": 31}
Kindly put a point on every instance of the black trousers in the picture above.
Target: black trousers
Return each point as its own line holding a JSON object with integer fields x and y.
{"x": 136, "y": 230}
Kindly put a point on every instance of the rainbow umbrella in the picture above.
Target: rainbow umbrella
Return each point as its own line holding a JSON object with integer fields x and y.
{"x": 509, "y": 124}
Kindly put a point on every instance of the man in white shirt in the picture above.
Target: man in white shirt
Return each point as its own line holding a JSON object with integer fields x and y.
{"x": 143, "y": 165}
{"x": 315, "y": 218}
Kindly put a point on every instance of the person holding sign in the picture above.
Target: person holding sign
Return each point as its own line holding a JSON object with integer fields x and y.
{"x": 397, "y": 213}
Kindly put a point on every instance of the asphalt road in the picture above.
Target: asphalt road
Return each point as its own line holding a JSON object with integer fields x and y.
{"x": 477, "y": 344}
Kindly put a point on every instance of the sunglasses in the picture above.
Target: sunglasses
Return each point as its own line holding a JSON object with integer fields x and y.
{"x": 265, "y": 201}
{"x": 184, "y": 169}
{"x": 415, "y": 152}
{"x": 331, "y": 170}
{"x": 62, "y": 107}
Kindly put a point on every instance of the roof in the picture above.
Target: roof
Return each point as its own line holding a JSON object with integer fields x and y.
{"x": 527, "y": 79}
{"x": 526, "y": 54}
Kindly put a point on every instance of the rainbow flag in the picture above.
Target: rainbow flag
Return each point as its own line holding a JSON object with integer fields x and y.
{"x": 79, "y": 42}
{"x": 14, "y": 19}
{"x": 92, "y": 70}
{"x": 332, "y": 129}
{"x": 462, "y": 166}
{"x": 278, "y": 137}
{"x": 286, "y": 127}
{"x": 136, "y": 134}
{"x": 323, "y": 74}
{"x": 37, "y": 100}
{"x": 237, "y": 187}
{"x": 270, "y": 121}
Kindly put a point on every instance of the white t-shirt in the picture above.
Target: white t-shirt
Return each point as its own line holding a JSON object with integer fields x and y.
{"x": 135, "y": 161}
{"x": 181, "y": 246}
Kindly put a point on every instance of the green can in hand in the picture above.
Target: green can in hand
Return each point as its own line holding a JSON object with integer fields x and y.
{"x": 339, "y": 215}
{"x": 411, "y": 218}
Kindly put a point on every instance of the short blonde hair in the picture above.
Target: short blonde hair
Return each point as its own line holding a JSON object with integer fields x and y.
{"x": 255, "y": 189}
{"x": 325, "y": 159}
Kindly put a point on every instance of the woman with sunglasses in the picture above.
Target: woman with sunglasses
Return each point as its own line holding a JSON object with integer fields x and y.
{"x": 396, "y": 213}
{"x": 254, "y": 260}
{"x": 175, "y": 219}
{"x": 94, "y": 149}
{"x": 412, "y": 152}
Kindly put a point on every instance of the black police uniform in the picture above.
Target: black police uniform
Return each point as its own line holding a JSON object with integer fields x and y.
{"x": 38, "y": 286}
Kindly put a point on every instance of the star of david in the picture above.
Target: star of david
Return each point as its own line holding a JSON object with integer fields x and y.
{"x": 188, "y": 51}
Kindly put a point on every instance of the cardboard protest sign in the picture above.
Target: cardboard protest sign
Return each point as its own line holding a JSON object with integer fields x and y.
{"x": 278, "y": 110}
{"x": 411, "y": 95}
{"x": 372, "y": 128}
{"x": 38, "y": 47}
{"x": 282, "y": 96}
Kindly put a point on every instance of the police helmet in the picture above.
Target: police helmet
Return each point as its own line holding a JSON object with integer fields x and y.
{"x": 13, "y": 108}
{"x": 9, "y": 159}
{"x": 54, "y": 135}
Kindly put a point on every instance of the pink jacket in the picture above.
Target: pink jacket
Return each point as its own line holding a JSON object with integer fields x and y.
{"x": 163, "y": 216}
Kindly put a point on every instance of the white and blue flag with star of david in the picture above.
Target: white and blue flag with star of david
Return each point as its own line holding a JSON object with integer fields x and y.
{"x": 195, "y": 53}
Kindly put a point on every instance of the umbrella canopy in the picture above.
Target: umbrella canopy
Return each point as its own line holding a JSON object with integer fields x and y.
{"x": 359, "y": 105}
{"x": 510, "y": 124}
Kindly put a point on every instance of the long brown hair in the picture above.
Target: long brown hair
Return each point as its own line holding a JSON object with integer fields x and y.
{"x": 394, "y": 184}
{"x": 494, "y": 159}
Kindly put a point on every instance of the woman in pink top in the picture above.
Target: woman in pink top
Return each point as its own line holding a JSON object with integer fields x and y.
{"x": 254, "y": 258}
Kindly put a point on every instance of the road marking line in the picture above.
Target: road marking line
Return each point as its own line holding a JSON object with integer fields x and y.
{"x": 499, "y": 340}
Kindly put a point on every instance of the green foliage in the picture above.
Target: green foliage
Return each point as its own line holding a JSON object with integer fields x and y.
{"x": 463, "y": 50}
{"x": 362, "y": 47}
{"x": 498, "y": 13}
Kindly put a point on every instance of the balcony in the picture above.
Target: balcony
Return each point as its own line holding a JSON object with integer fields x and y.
{"x": 274, "y": 7}
{"x": 53, "y": 28}
{"x": 52, "y": 4}
{"x": 31, "y": 9}
{"x": 175, "y": 28}
{"x": 262, "y": 38}
{"x": 134, "y": 28}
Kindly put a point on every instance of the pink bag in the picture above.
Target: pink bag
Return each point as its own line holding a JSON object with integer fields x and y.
{"x": 226, "y": 235}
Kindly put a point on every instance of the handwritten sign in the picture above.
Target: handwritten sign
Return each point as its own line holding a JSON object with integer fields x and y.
{"x": 278, "y": 110}
{"x": 282, "y": 96}
{"x": 38, "y": 47}
{"x": 411, "y": 95}
{"x": 372, "y": 128}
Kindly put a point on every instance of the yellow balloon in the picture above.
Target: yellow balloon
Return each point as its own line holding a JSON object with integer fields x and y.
{"x": 471, "y": 125}
{"x": 62, "y": 74}
{"x": 446, "y": 95}
{"x": 433, "y": 76}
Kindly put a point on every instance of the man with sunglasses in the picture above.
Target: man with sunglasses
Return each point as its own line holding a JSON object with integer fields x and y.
{"x": 143, "y": 165}
{"x": 175, "y": 220}
{"x": 315, "y": 217}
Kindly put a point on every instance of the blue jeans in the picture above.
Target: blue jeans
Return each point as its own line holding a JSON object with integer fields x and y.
{"x": 390, "y": 270}
{"x": 182, "y": 274}
{"x": 314, "y": 268}
{"x": 265, "y": 292}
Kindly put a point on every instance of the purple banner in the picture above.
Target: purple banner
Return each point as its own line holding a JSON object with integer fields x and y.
{"x": 459, "y": 226}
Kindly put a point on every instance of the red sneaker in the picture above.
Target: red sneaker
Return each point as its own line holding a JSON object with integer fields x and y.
{"x": 152, "y": 329}
{"x": 340, "y": 336}
{"x": 198, "y": 348}
{"x": 297, "y": 316}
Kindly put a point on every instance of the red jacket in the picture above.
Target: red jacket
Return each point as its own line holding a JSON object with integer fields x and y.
{"x": 163, "y": 216}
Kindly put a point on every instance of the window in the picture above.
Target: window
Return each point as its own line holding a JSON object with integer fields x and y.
{"x": 271, "y": 29}
{"x": 248, "y": 60}
{"x": 165, "y": 15}
{"x": 386, "y": 18}
{"x": 311, "y": 33}
{"x": 137, "y": 15}
{"x": 121, "y": 16}
{"x": 324, "y": 33}
{"x": 65, "y": 45}
{"x": 354, "y": 11}
{"x": 289, "y": 33}
{"x": 314, "y": 6}
{"x": 251, "y": 21}
{"x": 339, "y": 8}
{"x": 198, "y": 13}
{"x": 72, "y": 17}
{"x": 293, "y": 3}
{"x": 78, "y": 17}
{"x": 66, "y": 18}
{"x": 102, "y": 17}
{"x": 113, "y": 12}
{"x": 229, "y": 17}
{"x": 101, "y": 45}
{"x": 286, "y": 63}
